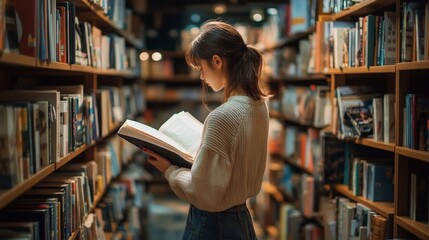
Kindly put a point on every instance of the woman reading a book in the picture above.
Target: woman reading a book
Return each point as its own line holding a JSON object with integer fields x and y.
{"x": 231, "y": 159}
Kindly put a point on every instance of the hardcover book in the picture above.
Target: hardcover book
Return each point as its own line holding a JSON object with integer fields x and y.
{"x": 178, "y": 139}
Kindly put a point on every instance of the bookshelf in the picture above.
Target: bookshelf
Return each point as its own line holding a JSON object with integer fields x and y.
{"x": 29, "y": 73}
{"x": 399, "y": 79}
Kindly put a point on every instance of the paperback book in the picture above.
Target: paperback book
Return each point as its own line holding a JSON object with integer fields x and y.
{"x": 178, "y": 139}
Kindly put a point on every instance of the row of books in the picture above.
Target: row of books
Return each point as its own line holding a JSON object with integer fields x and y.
{"x": 370, "y": 41}
{"x": 58, "y": 204}
{"x": 293, "y": 225}
{"x": 307, "y": 105}
{"x": 335, "y": 6}
{"x": 62, "y": 204}
{"x": 414, "y": 20}
{"x": 372, "y": 178}
{"x": 61, "y": 37}
{"x": 47, "y": 124}
{"x": 355, "y": 220}
{"x": 419, "y": 194}
{"x": 416, "y": 123}
{"x": 362, "y": 111}
{"x": 289, "y": 61}
{"x": 159, "y": 92}
{"x": 300, "y": 147}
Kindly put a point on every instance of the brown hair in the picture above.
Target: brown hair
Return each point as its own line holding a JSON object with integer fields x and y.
{"x": 244, "y": 62}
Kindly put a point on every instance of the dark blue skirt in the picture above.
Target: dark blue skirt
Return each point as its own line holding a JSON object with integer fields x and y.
{"x": 233, "y": 223}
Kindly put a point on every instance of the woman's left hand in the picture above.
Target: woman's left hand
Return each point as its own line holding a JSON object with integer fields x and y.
{"x": 158, "y": 161}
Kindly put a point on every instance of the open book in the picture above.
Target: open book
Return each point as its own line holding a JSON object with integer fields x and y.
{"x": 178, "y": 139}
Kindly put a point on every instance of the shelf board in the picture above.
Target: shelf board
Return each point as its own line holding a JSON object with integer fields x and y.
{"x": 386, "y": 209}
{"x": 376, "y": 144}
{"x": 22, "y": 60}
{"x": 70, "y": 156}
{"x": 272, "y": 231}
{"x": 7, "y": 196}
{"x": 273, "y": 191}
{"x": 293, "y": 39}
{"x": 278, "y": 115}
{"x": 53, "y": 65}
{"x": 113, "y": 72}
{"x": 363, "y": 70}
{"x": 178, "y": 78}
{"x": 362, "y": 9}
{"x": 308, "y": 79}
{"x": 17, "y": 59}
{"x": 74, "y": 235}
{"x": 103, "y": 20}
{"x": 421, "y": 65}
{"x": 291, "y": 162}
{"x": 413, "y": 153}
{"x": 420, "y": 229}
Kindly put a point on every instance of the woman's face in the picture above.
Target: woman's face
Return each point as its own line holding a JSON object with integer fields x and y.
{"x": 212, "y": 74}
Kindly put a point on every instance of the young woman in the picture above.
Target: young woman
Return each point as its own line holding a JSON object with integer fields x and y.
{"x": 230, "y": 163}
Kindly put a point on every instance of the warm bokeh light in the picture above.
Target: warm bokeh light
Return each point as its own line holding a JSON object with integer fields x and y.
{"x": 156, "y": 56}
{"x": 219, "y": 8}
{"x": 144, "y": 56}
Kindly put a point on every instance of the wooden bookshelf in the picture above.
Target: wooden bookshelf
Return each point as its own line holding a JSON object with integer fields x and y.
{"x": 363, "y": 8}
{"x": 386, "y": 209}
{"x": 398, "y": 79}
{"x": 21, "y": 69}
{"x": 376, "y": 144}
{"x": 290, "y": 40}
{"x": 273, "y": 191}
{"x": 413, "y": 153}
{"x": 363, "y": 70}
{"x": 7, "y": 196}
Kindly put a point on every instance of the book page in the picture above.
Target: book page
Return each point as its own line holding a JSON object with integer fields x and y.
{"x": 184, "y": 129}
{"x": 151, "y": 134}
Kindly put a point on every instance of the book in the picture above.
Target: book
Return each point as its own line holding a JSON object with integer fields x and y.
{"x": 361, "y": 119}
{"x": 53, "y": 98}
{"x": 178, "y": 139}
{"x": 377, "y": 108}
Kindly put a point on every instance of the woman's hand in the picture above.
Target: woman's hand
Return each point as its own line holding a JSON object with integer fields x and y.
{"x": 158, "y": 161}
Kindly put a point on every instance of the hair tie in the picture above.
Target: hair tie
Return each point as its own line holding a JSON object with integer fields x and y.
{"x": 244, "y": 47}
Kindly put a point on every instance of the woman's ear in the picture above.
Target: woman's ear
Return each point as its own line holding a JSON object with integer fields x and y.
{"x": 217, "y": 61}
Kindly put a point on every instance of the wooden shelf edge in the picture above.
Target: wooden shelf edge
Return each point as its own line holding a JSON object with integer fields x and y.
{"x": 70, "y": 156}
{"x": 386, "y": 209}
{"x": 420, "y": 229}
{"x": 11, "y": 194}
{"x": 413, "y": 153}
{"x": 362, "y": 8}
{"x": 17, "y": 59}
{"x": 272, "y": 231}
{"x": 31, "y": 62}
{"x": 290, "y": 39}
{"x": 364, "y": 70}
{"x": 109, "y": 22}
{"x": 421, "y": 65}
{"x": 376, "y": 144}
{"x": 273, "y": 191}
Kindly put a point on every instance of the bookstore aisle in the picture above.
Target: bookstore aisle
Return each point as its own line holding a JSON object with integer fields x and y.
{"x": 349, "y": 116}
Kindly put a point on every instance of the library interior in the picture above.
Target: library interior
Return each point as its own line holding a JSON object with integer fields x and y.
{"x": 88, "y": 85}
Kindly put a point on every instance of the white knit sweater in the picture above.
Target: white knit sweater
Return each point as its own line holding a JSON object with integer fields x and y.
{"x": 230, "y": 163}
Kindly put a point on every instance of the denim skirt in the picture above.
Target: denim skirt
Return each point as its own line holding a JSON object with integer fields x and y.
{"x": 233, "y": 223}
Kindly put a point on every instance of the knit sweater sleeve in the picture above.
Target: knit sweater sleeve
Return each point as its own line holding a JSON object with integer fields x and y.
{"x": 205, "y": 184}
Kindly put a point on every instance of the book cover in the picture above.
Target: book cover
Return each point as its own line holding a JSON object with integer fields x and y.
{"x": 9, "y": 176}
{"x": 352, "y": 96}
{"x": 380, "y": 188}
{"x": 53, "y": 98}
{"x": 377, "y": 108}
{"x": 178, "y": 139}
